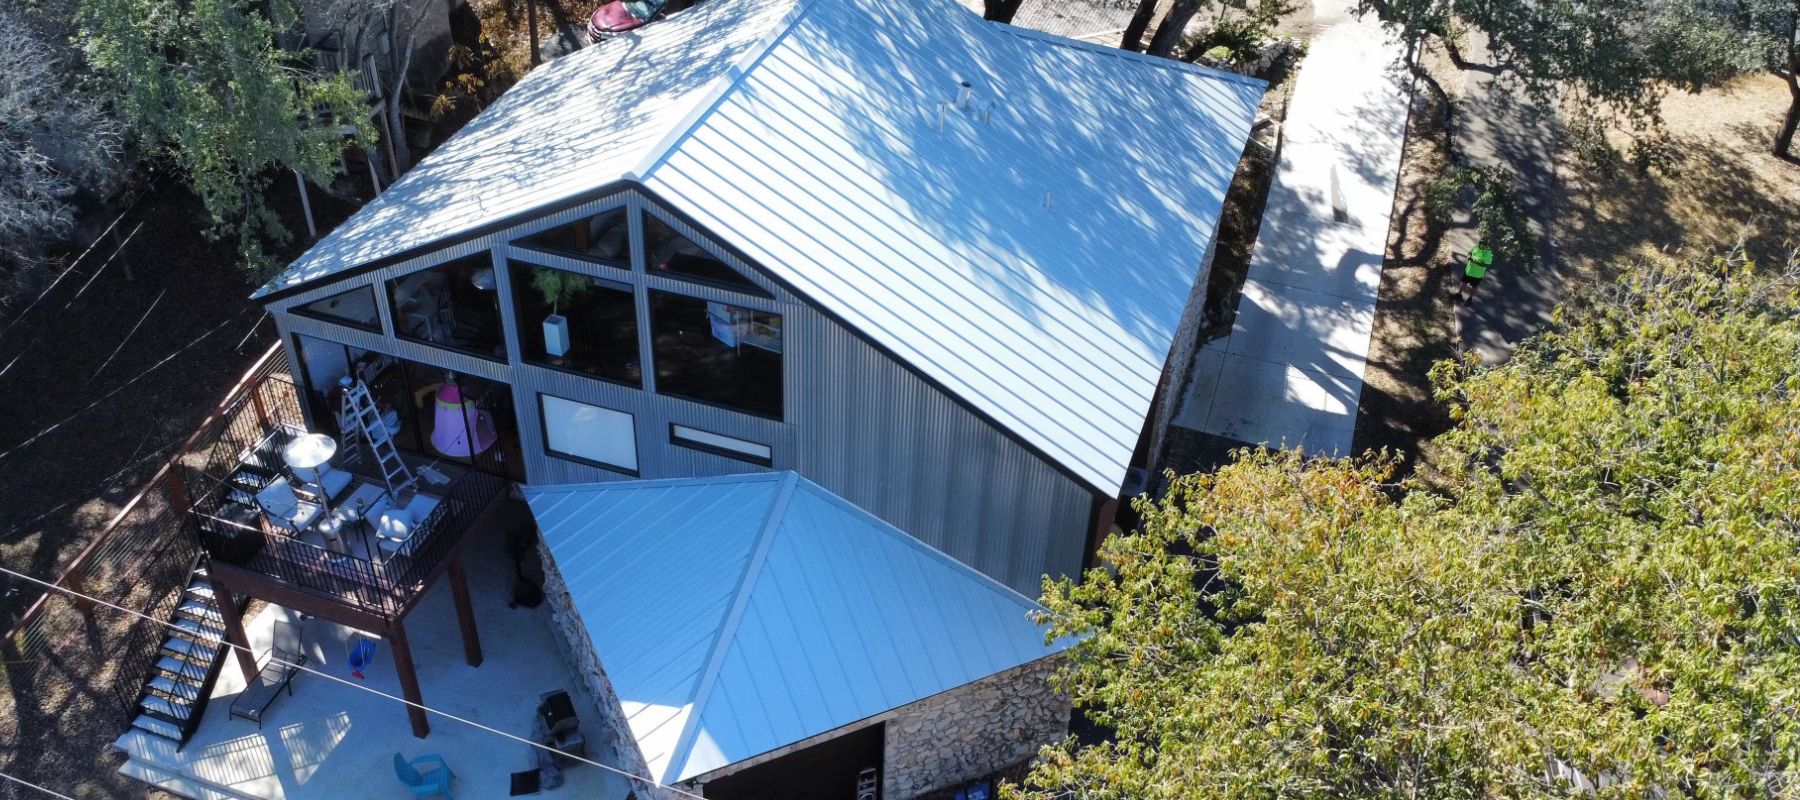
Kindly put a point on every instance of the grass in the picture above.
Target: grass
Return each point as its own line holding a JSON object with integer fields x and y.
{"x": 1723, "y": 186}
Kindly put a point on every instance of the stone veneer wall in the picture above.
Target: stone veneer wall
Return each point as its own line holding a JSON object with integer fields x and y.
{"x": 1178, "y": 371}
{"x": 578, "y": 651}
{"x": 973, "y": 730}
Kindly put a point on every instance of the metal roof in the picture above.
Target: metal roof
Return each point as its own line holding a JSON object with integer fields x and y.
{"x": 1028, "y": 244}
{"x": 735, "y": 615}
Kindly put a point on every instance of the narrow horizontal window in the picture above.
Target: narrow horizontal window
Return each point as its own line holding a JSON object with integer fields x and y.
{"x": 721, "y": 445}
{"x": 588, "y": 434}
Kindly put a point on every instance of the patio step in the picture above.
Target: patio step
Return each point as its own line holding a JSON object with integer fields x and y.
{"x": 166, "y": 708}
{"x": 179, "y": 689}
{"x": 157, "y": 727}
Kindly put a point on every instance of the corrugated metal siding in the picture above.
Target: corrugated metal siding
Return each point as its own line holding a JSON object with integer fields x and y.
{"x": 856, "y": 422}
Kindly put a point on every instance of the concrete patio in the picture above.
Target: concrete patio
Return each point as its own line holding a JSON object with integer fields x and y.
{"x": 329, "y": 740}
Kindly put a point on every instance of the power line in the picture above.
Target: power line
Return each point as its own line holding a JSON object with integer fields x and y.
{"x": 121, "y": 387}
{"x": 335, "y": 679}
{"x": 23, "y": 782}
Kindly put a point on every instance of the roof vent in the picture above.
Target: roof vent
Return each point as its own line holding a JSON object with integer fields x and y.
{"x": 965, "y": 94}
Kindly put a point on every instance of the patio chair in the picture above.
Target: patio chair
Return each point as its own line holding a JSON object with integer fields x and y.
{"x": 435, "y": 780}
{"x": 285, "y": 510}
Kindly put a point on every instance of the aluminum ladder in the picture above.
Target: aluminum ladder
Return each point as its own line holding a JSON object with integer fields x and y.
{"x": 357, "y": 415}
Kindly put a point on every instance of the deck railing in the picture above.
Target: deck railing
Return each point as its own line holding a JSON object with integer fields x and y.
{"x": 382, "y": 587}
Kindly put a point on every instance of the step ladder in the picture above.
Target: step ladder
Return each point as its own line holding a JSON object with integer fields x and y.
{"x": 358, "y": 417}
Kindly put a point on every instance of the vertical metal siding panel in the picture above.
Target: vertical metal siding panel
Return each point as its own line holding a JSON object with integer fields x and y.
{"x": 882, "y": 438}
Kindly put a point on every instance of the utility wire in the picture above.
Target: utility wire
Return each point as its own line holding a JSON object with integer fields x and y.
{"x": 121, "y": 387}
{"x": 335, "y": 679}
{"x": 23, "y": 782}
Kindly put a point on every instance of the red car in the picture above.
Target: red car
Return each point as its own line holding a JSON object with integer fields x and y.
{"x": 619, "y": 16}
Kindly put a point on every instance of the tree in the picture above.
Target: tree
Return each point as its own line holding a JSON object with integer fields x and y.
{"x": 386, "y": 34}
{"x": 1000, "y": 10}
{"x": 204, "y": 86}
{"x": 57, "y": 139}
{"x": 1619, "y": 57}
{"x": 1597, "y": 595}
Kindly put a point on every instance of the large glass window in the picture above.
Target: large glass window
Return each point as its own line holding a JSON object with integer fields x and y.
{"x": 571, "y": 321}
{"x": 670, "y": 254}
{"x": 355, "y": 308}
{"x": 589, "y": 434}
{"x": 717, "y": 353}
{"x": 453, "y": 305}
{"x": 604, "y": 237}
{"x": 427, "y": 410}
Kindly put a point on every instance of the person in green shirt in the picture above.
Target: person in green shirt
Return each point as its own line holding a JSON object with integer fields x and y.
{"x": 1480, "y": 258}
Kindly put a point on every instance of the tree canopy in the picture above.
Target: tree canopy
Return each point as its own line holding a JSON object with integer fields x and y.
{"x": 203, "y": 83}
{"x": 1596, "y": 593}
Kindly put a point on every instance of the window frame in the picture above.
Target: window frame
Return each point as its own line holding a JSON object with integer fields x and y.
{"x": 544, "y": 431}
{"x": 299, "y": 310}
{"x": 726, "y": 452}
{"x": 518, "y": 241}
{"x": 626, "y": 287}
{"x": 649, "y": 335}
{"x": 500, "y": 315}
{"x": 749, "y": 288}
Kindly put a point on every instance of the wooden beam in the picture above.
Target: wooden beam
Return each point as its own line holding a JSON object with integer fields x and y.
{"x": 465, "y": 612}
{"x": 264, "y": 587}
{"x": 409, "y": 679}
{"x": 234, "y": 625}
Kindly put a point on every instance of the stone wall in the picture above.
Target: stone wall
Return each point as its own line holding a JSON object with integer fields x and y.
{"x": 578, "y": 652}
{"x": 1178, "y": 371}
{"x": 973, "y": 730}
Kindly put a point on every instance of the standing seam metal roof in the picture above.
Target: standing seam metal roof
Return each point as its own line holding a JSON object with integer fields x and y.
{"x": 736, "y": 615}
{"x": 1031, "y": 251}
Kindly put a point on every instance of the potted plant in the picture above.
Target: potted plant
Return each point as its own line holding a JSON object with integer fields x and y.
{"x": 558, "y": 287}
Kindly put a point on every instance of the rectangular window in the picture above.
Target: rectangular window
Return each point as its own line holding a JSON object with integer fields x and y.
{"x": 355, "y": 308}
{"x": 670, "y": 254}
{"x": 721, "y": 445}
{"x": 453, "y": 305}
{"x": 604, "y": 237}
{"x": 589, "y": 434}
{"x": 573, "y": 322}
{"x": 717, "y": 353}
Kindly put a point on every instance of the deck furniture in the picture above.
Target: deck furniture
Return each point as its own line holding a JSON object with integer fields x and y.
{"x": 285, "y": 510}
{"x": 280, "y": 663}
{"x": 432, "y": 781}
{"x": 557, "y": 725}
{"x": 395, "y": 527}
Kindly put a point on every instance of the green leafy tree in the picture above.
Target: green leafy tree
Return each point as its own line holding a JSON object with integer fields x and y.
{"x": 1596, "y": 595}
{"x": 204, "y": 85}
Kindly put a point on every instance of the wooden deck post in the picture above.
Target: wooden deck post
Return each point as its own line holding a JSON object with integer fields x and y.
{"x": 409, "y": 679}
{"x": 465, "y": 611}
{"x": 234, "y": 627}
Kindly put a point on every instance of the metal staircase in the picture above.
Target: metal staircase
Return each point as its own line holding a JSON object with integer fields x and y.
{"x": 188, "y": 661}
{"x": 358, "y": 417}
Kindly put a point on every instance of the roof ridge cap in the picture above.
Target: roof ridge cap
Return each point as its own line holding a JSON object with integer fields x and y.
{"x": 721, "y": 88}
{"x": 740, "y": 599}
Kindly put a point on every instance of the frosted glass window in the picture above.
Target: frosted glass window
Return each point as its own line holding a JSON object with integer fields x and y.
{"x": 589, "y": 434}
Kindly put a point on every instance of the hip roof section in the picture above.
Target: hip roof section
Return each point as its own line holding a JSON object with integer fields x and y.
{"x": 1028, "y": 241}
{"x": 737, "y": 615}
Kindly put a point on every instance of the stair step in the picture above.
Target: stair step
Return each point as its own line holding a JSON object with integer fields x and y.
{"x": 173, "y": 666}
{"x": 169, "y": 709}
{"x": 157, "y": 727}
{"x": 180, "y": 689}
{"x": 201, "y": 610}
{"x": 192, "y": 651}
{"x": 200, "y": 589}
{"x": 196, "y": 628}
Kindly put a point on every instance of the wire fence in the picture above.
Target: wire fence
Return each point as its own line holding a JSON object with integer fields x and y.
{"x": 139, "y": 560}
{"x": 1097, "y": 21}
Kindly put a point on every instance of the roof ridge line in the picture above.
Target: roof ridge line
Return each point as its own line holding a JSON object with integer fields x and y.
{"x": 740, "y": 599}
{"x": 710, "y": 100}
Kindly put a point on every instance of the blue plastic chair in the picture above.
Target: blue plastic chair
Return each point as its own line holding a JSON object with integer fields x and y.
{"x": 424, "y": 784}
